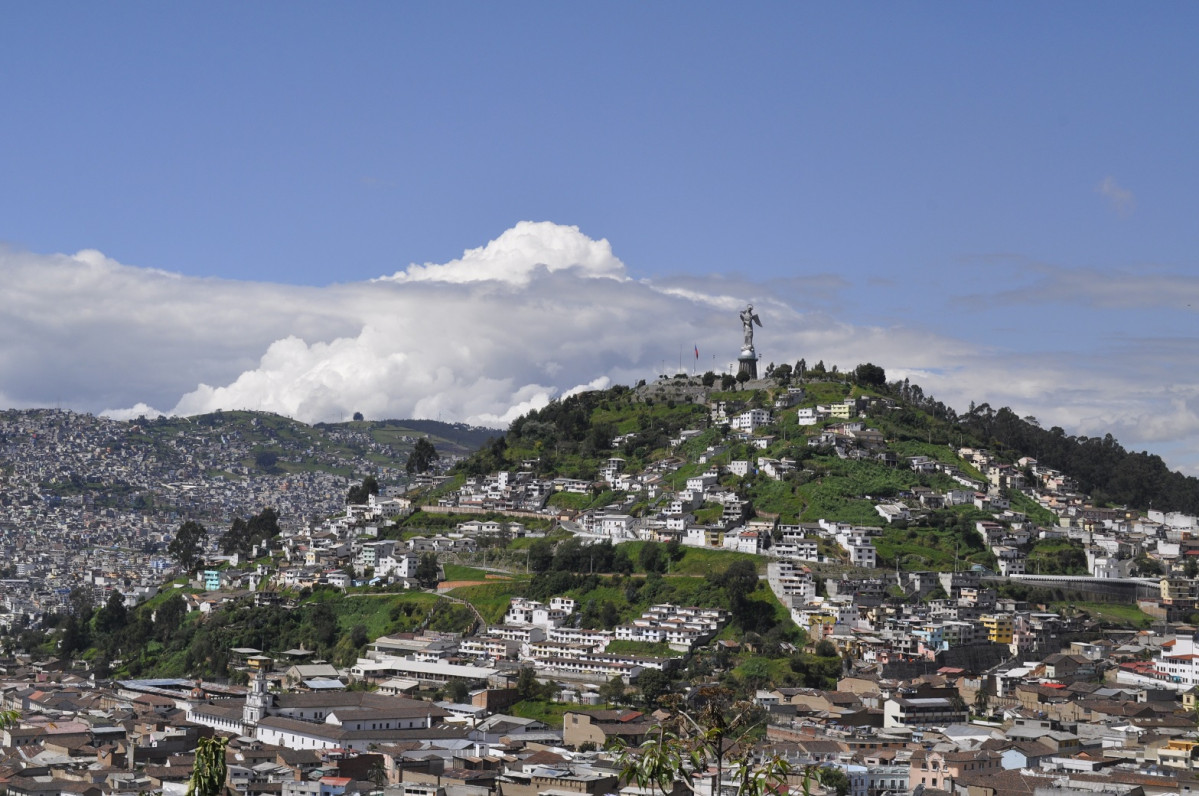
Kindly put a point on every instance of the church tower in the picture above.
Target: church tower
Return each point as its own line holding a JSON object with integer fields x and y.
{"x": 258, "y": 702}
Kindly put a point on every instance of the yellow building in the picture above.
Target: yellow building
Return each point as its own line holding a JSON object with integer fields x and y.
{"x": 1178, "y": 591}
{"x": 842, "y": 411}
{"x": 262, "y": 663}
{"x": 821, "y": 625}
{"x": 998, "y": 627}
{"x": 1179, "y": 753}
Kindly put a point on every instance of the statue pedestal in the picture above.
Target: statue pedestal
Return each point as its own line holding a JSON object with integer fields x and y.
{"x": 747, "y": 363}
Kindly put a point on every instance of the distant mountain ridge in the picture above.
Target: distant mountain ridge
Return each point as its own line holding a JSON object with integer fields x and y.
{"x": 461, "y": 434}
{"x": 228, "y": 443}
{"x": 569, "y": 437}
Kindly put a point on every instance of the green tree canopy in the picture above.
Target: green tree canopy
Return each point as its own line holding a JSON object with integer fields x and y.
{"x": 244, "y": 534}
{"x": 362, "y": 492}
{"x": 422, "y": 457}
{"x": 113, "y": 617}
{"x": 540, "y": 555}
{"x": 427, "y": 570}
{"x": 187, "y": 548}
{"x": 653, "y": 684}
{"x": 870, "y": 375}
{"x": 266, "y": 461}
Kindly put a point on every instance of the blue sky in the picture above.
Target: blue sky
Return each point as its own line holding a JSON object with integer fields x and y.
{"x": 1011, "y": 183}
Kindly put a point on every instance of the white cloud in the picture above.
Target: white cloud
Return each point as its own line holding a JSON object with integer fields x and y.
{"x": 515, "y": 255}
{"x": 139, "y": 409}
{"x": 1120, "y": 199}
{"x": 541, "y": 312}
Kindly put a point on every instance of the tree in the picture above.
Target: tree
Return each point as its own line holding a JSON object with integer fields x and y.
{"x": 422, "y": 457}
{"x": 782, "y": 374}
{"x": 540, "y": 555}
{"x": 833, "y": 778}
{"x": 727, "y": 381}
{"x": 653, "y": 684}
{"x": 982, "y": 703}
{"x": 187, "y": 548}
{"x": 208, "y": 771}
{"x": 612, "y": 692}
{"x": 322, "y": 625}
{"x": 708, "y": 379}
{"x": 358, "y": 417}
{"x": 428, "y": 570}
{"x": 825, "y": 648}
{"x": 80, "y": 604}
{"x": 266, "y": 460}
{"x": 675, "y": 551}
{"x": 1145, "y": 566}
{"x": 738, "y": 581}
{"x": 683, "y": 748}
{"x": 652, "y": 558}
{"x": 113, "y": 617}
{"x": 74, "y": 637}
{"x": 742, "y": 377}
{"x": 457, "y": 691}
{"x": 377, "y": 775}
{"x": 244, "y": 535}
{"x": 870, "y": 375}
{"x": 621, "y": 562}
{"x": 527, "y": 686}
{"x": 362, "y": 493}
{"x": 169, "y": 617}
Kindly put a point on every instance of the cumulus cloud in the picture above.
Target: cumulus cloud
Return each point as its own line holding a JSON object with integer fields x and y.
{"x": 134, "y": 412}
{"x": 1119, "y": 199}
{"x": 540, "y": 312}
{"x": 517, "y": 254}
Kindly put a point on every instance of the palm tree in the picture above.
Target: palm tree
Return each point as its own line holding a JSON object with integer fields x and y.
{"x": 208, "y": 773}
{"x": 685, "y": 747}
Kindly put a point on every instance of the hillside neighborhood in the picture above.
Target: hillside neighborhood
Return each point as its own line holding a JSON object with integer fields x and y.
{"x": 975, "y": 624}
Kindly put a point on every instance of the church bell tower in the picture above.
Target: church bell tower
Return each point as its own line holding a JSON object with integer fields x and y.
{"x": 258, "y": 701}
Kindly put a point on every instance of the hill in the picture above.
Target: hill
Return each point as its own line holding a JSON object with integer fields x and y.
{"x": 1100, "y": 465}
{"x": 572, "y": 438}
{"x": 819, "y": 463}
{"x": 226, "y": 444}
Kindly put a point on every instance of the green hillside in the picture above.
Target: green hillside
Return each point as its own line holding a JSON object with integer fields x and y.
{"x": 669, "y": 428}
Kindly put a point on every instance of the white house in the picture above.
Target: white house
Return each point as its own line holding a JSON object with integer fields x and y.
{"x": 739, "y": 467}
{"x": 750, "y": 420}
{"x": 1178, "y": 661}
{"x": 617, "y": 526}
